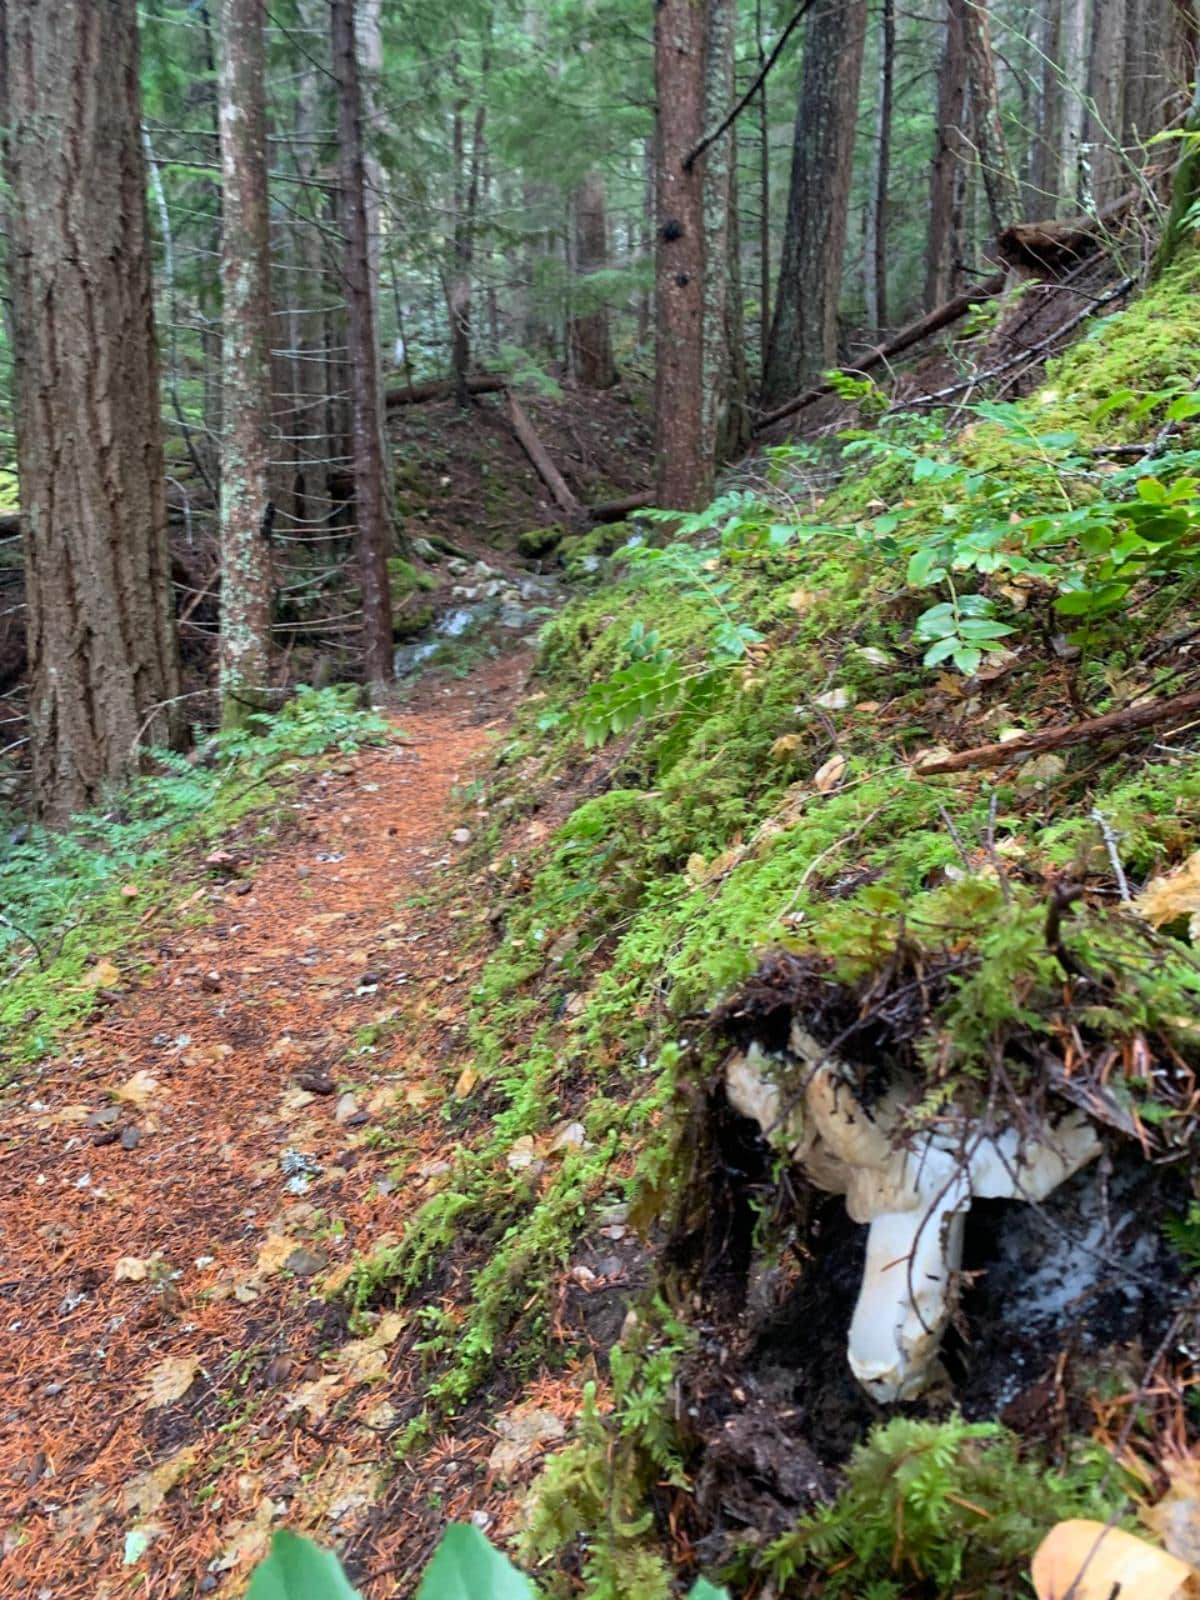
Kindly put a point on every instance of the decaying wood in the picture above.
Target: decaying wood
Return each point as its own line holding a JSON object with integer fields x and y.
{"x": 614, "y": 510}
{"x": 1131, "y": 720}
{"x": 405, "y": 394}
{"x": 1052, "y": 245}
{"x": 932, "y": 322}
{"x": 536, "y": 451}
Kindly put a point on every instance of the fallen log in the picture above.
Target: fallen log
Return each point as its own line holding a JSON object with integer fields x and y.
{"x": 615, "y": 510}
{"x": 932, "y": 322}
{"x": 1131, "y": 720}
{"x": 546, "y": 470}
{"x": 412, "y": 394}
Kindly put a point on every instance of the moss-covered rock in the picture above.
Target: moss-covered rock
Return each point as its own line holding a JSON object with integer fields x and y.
{"x": 536, "y": 542}
{"x": 408, "y": 622}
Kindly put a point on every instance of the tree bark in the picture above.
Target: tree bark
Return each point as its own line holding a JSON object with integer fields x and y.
{"x": 1105, "y": 126}
{"x": 875, "y": 251}
{"x": 724, "y": 419}
{"x": 764, "y": 196}
{"x": 944, "y": 242}
{"x": 804, "y": 329}
{"x": 101, "y": 634}
{"x": 683, "y": 474}
{"x": 468, "y": 170}
{"x": 991, "y": 147}
{"x": 1072, "y": 36}
{"x": 307, "y": 315}
{"x": 1045, "y": 134}
{"x": 591, "y": 346}
{"x": 374, "y": 532}
{"x": 246, "y": 507}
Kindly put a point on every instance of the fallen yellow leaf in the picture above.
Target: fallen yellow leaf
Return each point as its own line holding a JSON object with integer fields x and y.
{"x": 170, "y": 1380}
{"x": 1094, "y": 1562}
{"x": 1174, "y": 896}
{"x": 828, "y": 776}
{"x": 145, "y": 1492}
{"x": 138, "y": 1090}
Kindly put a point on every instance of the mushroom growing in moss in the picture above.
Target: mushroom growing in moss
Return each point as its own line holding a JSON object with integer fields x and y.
{"x": 913, "y": 1195}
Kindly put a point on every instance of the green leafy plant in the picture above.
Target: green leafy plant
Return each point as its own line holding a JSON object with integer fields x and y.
{"x": 465, "y": 1566}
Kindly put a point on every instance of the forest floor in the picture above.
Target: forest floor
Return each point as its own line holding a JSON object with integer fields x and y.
{"x": 187, "y": 1184}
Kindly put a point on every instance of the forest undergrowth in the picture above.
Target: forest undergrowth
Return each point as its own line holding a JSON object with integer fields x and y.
{"x": 717, "y": 814}
{"x": 742, "y": 714}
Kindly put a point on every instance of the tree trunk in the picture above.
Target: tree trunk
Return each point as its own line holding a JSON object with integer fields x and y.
{"x": 683, "y": 474}
{"x": 246, "y": 508}
{"x": 991, "y": 147}
{"x": 764, "y": 196}
{"x": 875, "y": 252}
{"x": 307, "y": 319}
{"x": 1045, "y": 133}
{"x": 591, "y": 346}
{"x": 374, "y": 533}
{"x": 721, "y": 270}
{"x": 467, "y": 178}
{"x": 1106, "y": 111}
{"x": 944, "y": 241}
{"x": 1072, "y": 35}
{"x": 804, "y": 330}
{"x": 101, "y": 634}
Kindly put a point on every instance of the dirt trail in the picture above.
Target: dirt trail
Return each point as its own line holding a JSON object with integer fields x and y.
{"x": 159, "y": 1415}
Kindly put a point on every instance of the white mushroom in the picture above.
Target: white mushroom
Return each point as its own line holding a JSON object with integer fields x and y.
{"x": 913, "y": 1197}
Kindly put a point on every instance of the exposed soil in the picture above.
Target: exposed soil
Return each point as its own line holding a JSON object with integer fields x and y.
{"x": 147, "y": 1231}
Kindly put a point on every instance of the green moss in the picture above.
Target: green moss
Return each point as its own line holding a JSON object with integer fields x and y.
{"x": 535, "y": 542}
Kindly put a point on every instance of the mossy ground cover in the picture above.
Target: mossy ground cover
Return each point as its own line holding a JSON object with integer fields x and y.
{"x": 75, "y": 904}
{"x": 772, "y": 800}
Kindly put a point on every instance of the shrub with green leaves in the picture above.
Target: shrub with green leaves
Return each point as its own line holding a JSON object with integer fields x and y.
{"x": 465, "y": 1566}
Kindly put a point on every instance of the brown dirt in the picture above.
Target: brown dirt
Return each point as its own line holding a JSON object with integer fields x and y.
{"x": 286, "y": 1417}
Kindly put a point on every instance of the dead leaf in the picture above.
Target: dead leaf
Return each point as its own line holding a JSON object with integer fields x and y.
{"x": 313, "y": 1398}
{"x": 467, "y": 1079}
{"x": 143, "y": 1494}
{"x": 520, "y": 1153}
{"x": 786, "y": 746}
{"x": 170, "y": 1380}
{"x": 131, "y": 1269}
{"x": 828, "y": 776}
{"x": 273, "y": 1254}
{"x": 138, "y": 1090}
{"x": 1094, "y": 1562}
{"x": 1174, "y": 896}
{"x": 104, "y": 975}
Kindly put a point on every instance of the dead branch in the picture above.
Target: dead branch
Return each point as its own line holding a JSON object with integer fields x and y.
{"x": 533, "y": 447}
{"x": 1023, "y": 357}
{"x": 932, "y": 322}
{"x": 1132, "y": 720}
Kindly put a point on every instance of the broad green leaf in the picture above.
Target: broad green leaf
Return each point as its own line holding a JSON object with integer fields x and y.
{"x": 703, "y": 1590}
{"x": 297, "y": 1570}
{"x": 466, "y": 1567}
